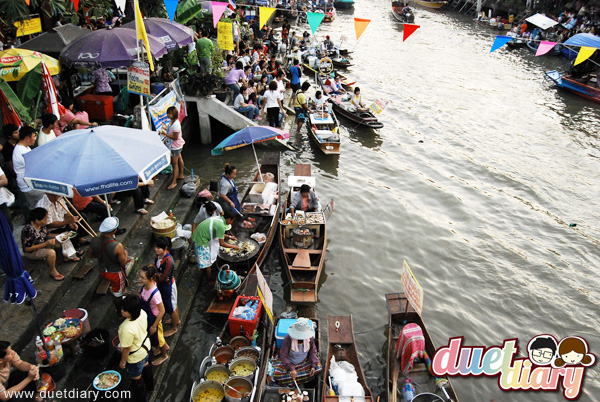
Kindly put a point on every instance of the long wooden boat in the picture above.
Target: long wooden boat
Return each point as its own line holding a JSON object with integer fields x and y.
{"x": 586, "y": 86}
{"x": 362, "y": 119}
{"x": 434, "y": 4}
{"x": 341, "y": 4}
{"x": 266, "y": 220}
{"x": 265, "y": 333}
{"x": 341, "y": 62}
{"x": 400, "y": 314}
{"x": 323, "y": 128}
{"x": 341, "y": 344}
{"x": 302, "y": 264}
{"x": 402, "y": 12}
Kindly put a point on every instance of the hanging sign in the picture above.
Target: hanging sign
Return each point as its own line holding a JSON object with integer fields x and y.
{"x": 225, "y": 35}
{"x": 265, "y": 294}
{"x": 414, "y": 292}
{"x": 378, "y": 106}
{"x": 158, "y": 110}
{"x": 28, "y": 27}
{"x": 325, "y": 65}
{"x": 138, "y": 78}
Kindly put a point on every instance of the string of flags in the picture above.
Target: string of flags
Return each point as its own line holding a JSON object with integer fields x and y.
{"x": 585, "y": 52}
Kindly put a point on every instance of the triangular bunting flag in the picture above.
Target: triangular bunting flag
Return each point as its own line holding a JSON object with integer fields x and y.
{"x": 171, "y": 6}
{"x": 544, "y": 47}
{"x": 584, "y": 54}
{"x": 27, "y": 2}
{"x": 218, "y": 9}
{"x": 360, "y": 24}
{"x": 314, "y": 20}
{"x": 75, "y": 3}
{"x": 141, "y": 33}
{"x": 265, "y": 14}
{"x": 409, "y": 29}
{"x": 500, "y": 41}
{"x": 121, "y": 5}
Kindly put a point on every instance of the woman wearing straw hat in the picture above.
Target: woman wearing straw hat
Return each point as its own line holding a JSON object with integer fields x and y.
{"x": 298, "y": 358}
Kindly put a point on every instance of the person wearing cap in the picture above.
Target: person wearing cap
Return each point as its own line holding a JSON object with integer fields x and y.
{"x": 112, "y": 259}
{"x": 327, "y": 45}
{"x": 209, "y": 236}
{"x": 298, "y": 358}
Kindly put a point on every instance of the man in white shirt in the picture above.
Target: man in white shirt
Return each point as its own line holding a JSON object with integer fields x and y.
{"x": 27, "y": 137}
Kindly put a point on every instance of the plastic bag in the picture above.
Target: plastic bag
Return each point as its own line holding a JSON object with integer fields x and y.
{"x": 188, "y": 190}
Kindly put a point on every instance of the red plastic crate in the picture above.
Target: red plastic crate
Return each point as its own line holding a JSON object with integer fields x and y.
{"x": 236, "y": 324}
{"x": 98, "y": 107}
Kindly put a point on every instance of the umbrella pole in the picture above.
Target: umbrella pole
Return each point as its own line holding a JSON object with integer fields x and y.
{"x": 107, "y": 204}
{"x": 257, "y": 165}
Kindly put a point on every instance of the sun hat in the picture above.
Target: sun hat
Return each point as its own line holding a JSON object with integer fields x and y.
{"x": 109, "y": 224}
{"x": 301, "y": 329}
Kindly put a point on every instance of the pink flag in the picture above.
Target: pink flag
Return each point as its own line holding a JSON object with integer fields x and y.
{"x": 53, "y": 106}
{"x": 218, "y": 9}
{"x": 544, "y": 48}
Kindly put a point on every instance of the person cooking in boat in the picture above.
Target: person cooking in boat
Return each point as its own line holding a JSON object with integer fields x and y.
{"x": 304, "y": 200}
{"x": 228, "y": 195}
{"x": 297, "y": 358}
{"x": 357, "y": 101}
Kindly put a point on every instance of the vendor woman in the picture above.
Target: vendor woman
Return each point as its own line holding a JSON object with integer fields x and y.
{"x": 228, "y": 195}
{"x": 209, "y": 236}
{"x": 298, "y": 358}
{"x": 304, "y": 200}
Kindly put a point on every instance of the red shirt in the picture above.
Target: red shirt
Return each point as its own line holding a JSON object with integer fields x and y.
{"x": 80, "y": 202}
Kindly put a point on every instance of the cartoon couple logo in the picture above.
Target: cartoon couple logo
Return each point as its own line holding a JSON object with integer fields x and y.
{"x": 571, "y": 351}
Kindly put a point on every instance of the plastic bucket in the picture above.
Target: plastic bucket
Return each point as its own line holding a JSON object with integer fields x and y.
{"x": 243, "y": 367}
{"x": 198, "y": 387}
{"x": 241, "y": 384}
{"x": 178, "y": 247}
{"x": 85, "y": 322}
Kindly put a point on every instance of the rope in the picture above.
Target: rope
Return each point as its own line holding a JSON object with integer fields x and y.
{"x": 372, "y": 330}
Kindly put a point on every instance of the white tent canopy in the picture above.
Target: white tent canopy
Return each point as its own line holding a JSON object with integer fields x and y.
{"x": 541, "y": 21}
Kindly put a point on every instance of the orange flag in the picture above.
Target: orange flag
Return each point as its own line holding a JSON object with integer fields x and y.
{"x": 27, "y": 2}
{"x": 409, "y": 29}
{"x": 360, "y": 24}
{"x": 76, "y": 4}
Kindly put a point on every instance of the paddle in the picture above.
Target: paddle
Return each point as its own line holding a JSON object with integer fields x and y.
{"x": 395, "y": 373}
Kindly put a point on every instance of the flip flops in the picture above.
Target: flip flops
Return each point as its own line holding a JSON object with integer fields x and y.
{"x": 142, "y": 211}
{"x": 58, "y": 277}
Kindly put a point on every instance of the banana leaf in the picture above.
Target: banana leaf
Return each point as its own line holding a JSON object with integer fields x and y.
{"x": 187, "y": 10}
{"x": 14, "y": 101}
{"x": 28, "y": 87}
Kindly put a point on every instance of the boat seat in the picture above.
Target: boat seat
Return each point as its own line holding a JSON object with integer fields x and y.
{"x": 295, "y": 250}
{"x": 305, "y": 269}
{"x": 302, "y": 259}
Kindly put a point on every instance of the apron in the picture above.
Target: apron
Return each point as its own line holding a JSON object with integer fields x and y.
{"x": 213, "y": 244}
{"x": 207, "y": 255}
{"x": 151, "y": 316}
{"x": 233, "y": 194}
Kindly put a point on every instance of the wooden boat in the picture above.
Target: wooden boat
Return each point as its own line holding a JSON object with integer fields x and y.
{"x": 266, "y": 220}
{"x": 517, "y": 43}
{"x": 496, "y": 25}
{"x": 402, "y": 13}
{"x": 365, "y": 119}
{"x": 341, "y": 4}
{"x": 341, "y": 62}
{"x": 302, "y": 258}
{"x": 341, "y": 345}
{"x": 263, "y": 341}
{"x": 330, "y": 14}
{"x": 586, "y": 86}
{"x": 400, "y": 314}
{"x": 324, "y": 131}
{"x": 434, "y": 4}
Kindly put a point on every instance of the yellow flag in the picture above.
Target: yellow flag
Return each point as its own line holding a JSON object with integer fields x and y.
{"x": 584, "y": 54}
{"x": 141, "y": 33}
{"x": 265, "y": 14}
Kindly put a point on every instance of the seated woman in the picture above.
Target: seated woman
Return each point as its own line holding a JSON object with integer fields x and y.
{"x": 38, "y": 244}
{"x": 22, "y": 378}
{"x": 356, "y": 101}
{"x": 304, "y": 200}
{"x": 298, "y": 358}
{"x": 73, "y": 118}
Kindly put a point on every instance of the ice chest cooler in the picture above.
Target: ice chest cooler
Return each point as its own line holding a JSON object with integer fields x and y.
{"x": 236, "y": 324}
{"x": 98, "y": 107}
{"x": 282, "y": 329}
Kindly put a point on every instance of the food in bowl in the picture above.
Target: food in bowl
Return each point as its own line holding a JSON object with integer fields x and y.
{"x": 107, "y": 380}
{"x": 209, "y": 395}
{"x": 217, "y": 375}
{"x": 242, "y": 369}
{"x": 58, "y": 322}
{"x": 238, "y": 392}
{"x": 49, "y": 330}
{"x": 73, "y": 322}
{"x": 164, "y": 224}
{"x": 70, "y": 332}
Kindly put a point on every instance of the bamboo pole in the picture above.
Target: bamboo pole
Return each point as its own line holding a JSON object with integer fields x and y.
{"x": 83, "y": 222}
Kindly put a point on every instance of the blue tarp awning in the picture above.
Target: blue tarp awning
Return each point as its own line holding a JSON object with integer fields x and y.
{"x": 584, "y": 39}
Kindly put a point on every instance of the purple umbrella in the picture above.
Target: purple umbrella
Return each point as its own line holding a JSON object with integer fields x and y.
{"x": 108, "y": 48}
{"x": 173, "y": 34}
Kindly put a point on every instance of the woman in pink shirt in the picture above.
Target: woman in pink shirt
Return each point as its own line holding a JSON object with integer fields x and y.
{"x": 73, "y": 120}
{"x": 153, "y": 305}
{"x": 174, "y": 133}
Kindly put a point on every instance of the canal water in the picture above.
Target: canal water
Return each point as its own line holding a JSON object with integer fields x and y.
{"x": 484, "y": 179}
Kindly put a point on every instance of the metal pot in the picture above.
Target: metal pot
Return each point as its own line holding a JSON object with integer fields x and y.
{"x": 241, "y": 384}
{"x": 217, "y": 368}
{"x": 224, "y": 354}
{"x": 249, "y": 352}
{"x": 204, "y": 385}
{"x": 238, "y": 342}
{"x": 302, "y": 237}
{"x": 247, "y": 361}
{"x": 178, "y": 247}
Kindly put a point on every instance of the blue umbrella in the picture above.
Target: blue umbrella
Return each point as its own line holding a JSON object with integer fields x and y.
{"x": 96, "y": 161}
{"x": 247, "y": 136}
{"x": 19, "y": 284}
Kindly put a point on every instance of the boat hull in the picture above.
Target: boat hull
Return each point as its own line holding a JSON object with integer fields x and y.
{"x": 431, "y": 4}
{"x": 573, "y": 85}
{"x": 344, "y": 4}
{"x": 367, "y": 121}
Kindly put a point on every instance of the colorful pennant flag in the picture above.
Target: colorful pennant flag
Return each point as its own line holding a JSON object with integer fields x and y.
{"x": 232, "y": 5}
{"x": 314, "y": 20}
{"x": 171, "y": 6}
{"x": 218, "y": 9}
{"x": 121, "y": 5}
{"x": 75, "y": 3}
{"x": 544, "y": 47}
{"x": 141, "y": 33}
{"x": 360, "y": 24}
{"x": 27, "y": 2}
{"x": 53, "y": 106}
{"x": 265, "y": 14}
{"x": 500, "y": 41}
{"x": 584, "y": 53}
{"x": 409, "y": 29}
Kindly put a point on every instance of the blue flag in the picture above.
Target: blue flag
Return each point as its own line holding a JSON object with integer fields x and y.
{"x": 500, "y": 41}
{"x": 314, "y": 20}
{"x": 171, "y": 6}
